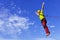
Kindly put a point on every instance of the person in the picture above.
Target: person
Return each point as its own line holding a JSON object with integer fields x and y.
{"x": 43, "y": 19}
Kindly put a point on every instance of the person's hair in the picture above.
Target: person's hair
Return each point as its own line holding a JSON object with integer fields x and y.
{"x": 38, "y": 10}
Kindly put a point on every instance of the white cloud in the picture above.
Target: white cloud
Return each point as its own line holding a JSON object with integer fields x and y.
{"x": 20, "y": 22}
{"x": 1, "y": 22}
{"x": 12, "y": 24}
{"x": 45, "y": 39}
{"x": 52, "y": 26}
{"x": 9, "y": 39}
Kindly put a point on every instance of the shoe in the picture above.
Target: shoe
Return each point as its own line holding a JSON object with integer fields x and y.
{"x": 47, "y": 34}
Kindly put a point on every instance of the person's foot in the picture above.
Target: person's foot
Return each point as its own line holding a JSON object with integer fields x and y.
{"x": 47, "y": 34}
{"x": 47, "y": 31}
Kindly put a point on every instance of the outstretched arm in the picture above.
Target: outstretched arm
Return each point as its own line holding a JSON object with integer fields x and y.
{"x": 42, "y": 9}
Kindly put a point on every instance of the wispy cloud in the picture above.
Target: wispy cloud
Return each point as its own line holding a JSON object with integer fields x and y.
{"x": 45, "y": 39}
{"x": 13, "y": 24}
{"x": 8, "y": 39}
{"x": 19, "y": 22}
{"x": 52, "y": 26}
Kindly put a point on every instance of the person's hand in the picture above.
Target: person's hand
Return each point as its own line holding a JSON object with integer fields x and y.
{"x": 36, "y": 13}
{"x": 43, "y": 3}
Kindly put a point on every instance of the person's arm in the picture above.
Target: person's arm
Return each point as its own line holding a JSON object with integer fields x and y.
{"x": 42, "y": 9}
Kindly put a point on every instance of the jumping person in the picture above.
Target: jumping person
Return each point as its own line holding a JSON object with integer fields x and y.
{"x": 43, "y": 19}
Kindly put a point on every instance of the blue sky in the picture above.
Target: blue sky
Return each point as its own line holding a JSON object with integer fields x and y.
{"x": 18, "y": 20}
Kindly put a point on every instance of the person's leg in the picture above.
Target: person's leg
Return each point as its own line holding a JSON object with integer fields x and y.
{"x": 45, "y": 26}
{"x": 47, "y": 31}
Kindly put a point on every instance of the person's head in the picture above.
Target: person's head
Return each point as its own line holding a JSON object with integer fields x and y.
{"x": 38, "y": 11}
